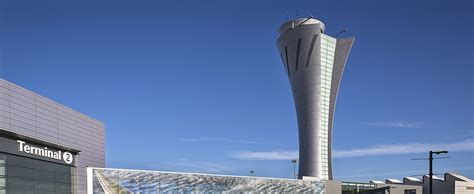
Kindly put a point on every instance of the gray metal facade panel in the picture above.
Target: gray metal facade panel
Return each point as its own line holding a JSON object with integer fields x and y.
{"x": 26, "y": 113}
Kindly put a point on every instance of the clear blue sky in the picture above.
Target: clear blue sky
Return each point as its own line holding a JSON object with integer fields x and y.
{"x": 199, "y": 86}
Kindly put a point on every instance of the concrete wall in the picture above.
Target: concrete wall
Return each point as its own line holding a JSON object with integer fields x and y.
{"x": 26, "y": 113}
{"x": 452, "y": 184}
{"x": 333, "y": 187}
{"x": 400, "y": 188}
{"x": 463, "y": 187}
{"x": 439, "y": 186}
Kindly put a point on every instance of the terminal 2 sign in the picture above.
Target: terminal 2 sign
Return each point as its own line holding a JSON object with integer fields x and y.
{"x": 63, "y": 156}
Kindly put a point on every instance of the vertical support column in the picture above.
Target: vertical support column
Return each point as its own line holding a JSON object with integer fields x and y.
{"x": 90, "y": 189}
{"x": 431, "y": 172}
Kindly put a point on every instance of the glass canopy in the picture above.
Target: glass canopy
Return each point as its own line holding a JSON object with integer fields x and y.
{"x": 103, "y": 180}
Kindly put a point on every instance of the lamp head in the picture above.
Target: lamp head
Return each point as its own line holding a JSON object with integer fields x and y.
{"x": 440, "y": 152}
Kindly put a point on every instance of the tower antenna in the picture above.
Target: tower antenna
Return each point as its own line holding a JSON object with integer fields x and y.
{"x": 310, "y": 17}
{"x": 341, "y": 32}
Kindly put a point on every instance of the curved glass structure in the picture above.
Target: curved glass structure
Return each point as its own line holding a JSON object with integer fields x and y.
{"x": 111, "y": 181}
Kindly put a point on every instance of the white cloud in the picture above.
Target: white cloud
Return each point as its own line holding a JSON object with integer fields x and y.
{"x": 471, "y": 132}
{"x": 409, "y": 148}
{"x": 227, "y": 140}
{"x": 396, "y": 149}
{"x": 203, "y": 167}
{"x": 399, "y": 124}
{"x": 272, "y": 155}
{"x": 401, "y": 173}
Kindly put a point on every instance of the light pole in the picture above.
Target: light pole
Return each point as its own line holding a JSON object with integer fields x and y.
{"x": 431, "y": 167}
{"x": 294, "y": 168}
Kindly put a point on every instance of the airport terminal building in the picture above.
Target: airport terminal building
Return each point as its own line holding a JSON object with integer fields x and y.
{"x": 45, "y": 147}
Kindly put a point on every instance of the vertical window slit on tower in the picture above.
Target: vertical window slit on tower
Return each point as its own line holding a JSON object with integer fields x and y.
{"x": 283, "y": 61}
{"x": 311, "y": 47}
{"x": 298, "y": 54}
{"x": 287, "y": 66}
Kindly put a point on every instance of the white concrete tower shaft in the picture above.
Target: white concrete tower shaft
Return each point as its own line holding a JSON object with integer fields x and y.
{"x": 314, "y": 63}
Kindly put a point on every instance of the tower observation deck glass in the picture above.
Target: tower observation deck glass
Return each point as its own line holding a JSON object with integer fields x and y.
{"x": 328, "y": 47}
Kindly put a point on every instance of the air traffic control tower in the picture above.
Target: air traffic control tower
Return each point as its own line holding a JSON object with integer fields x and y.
{"x": 314, "y": 63}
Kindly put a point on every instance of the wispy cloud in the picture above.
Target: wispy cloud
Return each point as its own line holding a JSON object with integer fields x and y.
{"x": 203, "y": 167}
{"x": 402, "y": 173}
{"x": 399, "y": 124}
{"x": 395, "y": 149}
{"x": 471, "y": 132}
{"x": 271, "y": 155}
{"x": 409, "y": 148}
{"x": 227, "y": 140}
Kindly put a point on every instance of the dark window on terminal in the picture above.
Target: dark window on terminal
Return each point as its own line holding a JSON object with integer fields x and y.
{"x": 311, "y": 47}
{"x": 20, "y": 161}
{"x": 298, "y": 54}
{"x": 410, "y": 191}
{"x": 27, "y": 175}
{"x": 287, "y": 66}
{"x": 21, "y": 172}
{"x": 21, "y": 183}
{"x": 45, "y": 175}
{"x": 46, "y": 166}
